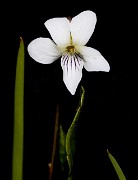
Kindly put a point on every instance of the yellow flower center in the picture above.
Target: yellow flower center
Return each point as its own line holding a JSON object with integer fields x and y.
{"x": 71, "y": 49}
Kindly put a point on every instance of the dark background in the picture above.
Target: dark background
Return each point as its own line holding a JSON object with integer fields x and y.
{"x": 109, "y": 116}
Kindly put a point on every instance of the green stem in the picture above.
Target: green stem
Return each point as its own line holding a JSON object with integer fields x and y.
{"x": 17, "y": 161}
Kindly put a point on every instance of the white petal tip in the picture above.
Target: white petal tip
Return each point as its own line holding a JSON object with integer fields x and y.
{"x": 72, "y": 92}
{"x": 71, "y": 89}
{"x": 107, "y": 68}
{"x": 104, "y": 68}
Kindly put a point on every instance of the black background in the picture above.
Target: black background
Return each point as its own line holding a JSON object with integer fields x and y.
{"x": 109, "y": 116}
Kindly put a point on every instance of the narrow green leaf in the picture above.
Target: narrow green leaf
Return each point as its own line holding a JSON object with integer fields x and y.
{"x": 62, "y": 149}
{"x": 116, "y": 167}
{"x": 17, "y": 161}
{"x": 70, "y": 138}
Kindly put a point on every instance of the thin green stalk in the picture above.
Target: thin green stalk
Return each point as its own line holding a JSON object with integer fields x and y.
{"x": 17, "y": 158}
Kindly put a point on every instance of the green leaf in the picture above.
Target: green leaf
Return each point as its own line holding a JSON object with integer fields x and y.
{"x": 17, "y": 158}
{"x": 62, "y": 149}
{"x": 116, "y": 167}
{"x": 70, "y": 138}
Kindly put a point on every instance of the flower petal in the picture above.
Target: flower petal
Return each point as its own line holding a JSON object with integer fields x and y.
{"x": 43, "y": 50}
{"x": 72, "y": 71}
{"x": 59, "y": 30}
{"x": 82, "y": 27}
{"x": 93, "y": 60}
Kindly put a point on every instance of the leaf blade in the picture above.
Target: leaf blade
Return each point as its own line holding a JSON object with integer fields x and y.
{"x": 62, "y": 149}
{"x": 116, "y": 166}
{"x": 70, "y": 137}
{"x": 17, "y": 156}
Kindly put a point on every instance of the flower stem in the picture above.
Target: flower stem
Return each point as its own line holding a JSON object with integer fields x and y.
{"x": 51, "y": 164}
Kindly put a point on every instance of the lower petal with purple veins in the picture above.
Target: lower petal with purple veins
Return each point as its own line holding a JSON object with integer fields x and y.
{"x": 72, "y": 65}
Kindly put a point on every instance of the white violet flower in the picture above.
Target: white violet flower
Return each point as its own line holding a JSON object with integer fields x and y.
{"x": 69, "y": 39}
